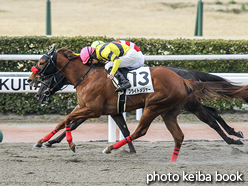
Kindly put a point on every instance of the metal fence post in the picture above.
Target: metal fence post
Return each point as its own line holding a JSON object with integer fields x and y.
{"x": 111, "y": 129}
{"x": 48, "y": 18}
{"x": 199, "y": 19}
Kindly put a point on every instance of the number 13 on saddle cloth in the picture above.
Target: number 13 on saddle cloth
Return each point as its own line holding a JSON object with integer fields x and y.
{"x": 140, "y": 80}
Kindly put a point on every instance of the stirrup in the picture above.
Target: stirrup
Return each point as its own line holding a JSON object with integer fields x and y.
{"x": 123, "y": 82}
{"x": 123, "y": 87}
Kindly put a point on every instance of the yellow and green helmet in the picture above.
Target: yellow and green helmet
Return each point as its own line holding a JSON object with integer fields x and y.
{"x": 96, "y": 43}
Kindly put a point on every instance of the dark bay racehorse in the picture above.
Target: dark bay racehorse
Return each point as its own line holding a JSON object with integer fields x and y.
{"x": 208, "y": 115}
{"x": 96, "y": 96}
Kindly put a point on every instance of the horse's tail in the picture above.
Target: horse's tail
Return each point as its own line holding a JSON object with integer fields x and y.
{"x": 207, "y": 91}
{"x": 204, "y": 76}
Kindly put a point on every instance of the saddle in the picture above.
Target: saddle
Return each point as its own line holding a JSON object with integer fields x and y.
{"x": 141, "y": 82}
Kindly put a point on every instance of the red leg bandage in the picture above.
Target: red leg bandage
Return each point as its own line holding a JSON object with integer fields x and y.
{"x": 48, "y": 136}
{"x": 124, "y": 141}
{"x": 174, "y": 155}
{"x": 68, "y": 133}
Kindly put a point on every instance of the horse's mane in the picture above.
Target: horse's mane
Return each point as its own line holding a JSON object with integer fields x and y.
{"x": 67, "y": 53}
{"x": 70, "y": 55}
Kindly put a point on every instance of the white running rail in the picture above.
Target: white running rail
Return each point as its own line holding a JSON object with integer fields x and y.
{"x": 15, "y": 82}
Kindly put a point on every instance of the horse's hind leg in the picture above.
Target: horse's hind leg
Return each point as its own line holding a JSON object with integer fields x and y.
{"x": 147, "y": 117}
{"x": 197, "y": 108}
{"x": 172, "y": 125}
{"x": 120, "y": 121}
{"x": 213, "y": 112}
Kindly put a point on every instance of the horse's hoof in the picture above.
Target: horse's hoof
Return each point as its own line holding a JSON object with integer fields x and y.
{"x": 240, "y": 134}
{"x": 240, "y": 142}
{"x": 47, "y": 144}
{"x": 37, "y": 145}
{"x": 72, "y": 147}
{"x": 106, "y": 151}
{"x": 132, "y": 152}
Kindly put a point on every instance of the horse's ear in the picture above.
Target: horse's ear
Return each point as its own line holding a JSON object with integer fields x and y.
{"x": 70, "y": 55}
{"x": 50, "y": 52}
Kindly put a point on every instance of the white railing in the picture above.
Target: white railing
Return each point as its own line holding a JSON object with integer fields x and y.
{"x": 15, "y": 82}
{"x": 196, "y": 57}
{"x": 147, "y": 57}
{"x": 10, "y": 57}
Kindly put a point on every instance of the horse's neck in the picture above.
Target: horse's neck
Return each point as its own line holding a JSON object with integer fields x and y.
{"x": 75, "y": 70}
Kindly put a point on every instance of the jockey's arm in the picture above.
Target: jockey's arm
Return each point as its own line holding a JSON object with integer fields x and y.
{"x": 109, "y": 55}
{"x": 116, "y": 65}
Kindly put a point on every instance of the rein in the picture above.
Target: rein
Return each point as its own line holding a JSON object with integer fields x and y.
{"x": 42, "y": 77}
{"x": 84, "y": 75}
{"x": 48, "y": 91}
{"x": 50, "y": 75}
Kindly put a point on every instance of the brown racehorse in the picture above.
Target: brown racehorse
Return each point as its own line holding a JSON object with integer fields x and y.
{"x": 96, "y": 96}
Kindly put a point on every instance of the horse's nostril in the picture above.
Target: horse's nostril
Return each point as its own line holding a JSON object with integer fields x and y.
{"x": 29, "y": 80}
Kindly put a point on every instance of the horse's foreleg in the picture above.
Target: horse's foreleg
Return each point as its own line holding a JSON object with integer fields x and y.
{"x": 56, "y": 140}
{"x": 74, "y": 125}
{"x": 75, "y": 115}
{"x": 49, "y": 135}
{"x": 69, "y": 137}
{"x": 60, "y": 126}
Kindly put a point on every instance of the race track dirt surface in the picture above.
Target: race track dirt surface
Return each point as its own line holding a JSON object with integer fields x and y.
{"x": 23, "y": 165}
{"x": 203, "y": 159}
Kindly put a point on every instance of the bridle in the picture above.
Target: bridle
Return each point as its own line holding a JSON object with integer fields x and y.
{"x": 50, "y": 70}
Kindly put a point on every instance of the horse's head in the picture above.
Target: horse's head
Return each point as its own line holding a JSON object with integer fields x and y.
{"x": 45, "y": 66}
{"x": 50, "y": 86}
{"x": 46, "y": 73}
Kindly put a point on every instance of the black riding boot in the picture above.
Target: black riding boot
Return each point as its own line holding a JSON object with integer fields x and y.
{"x": 123, "y": 82}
